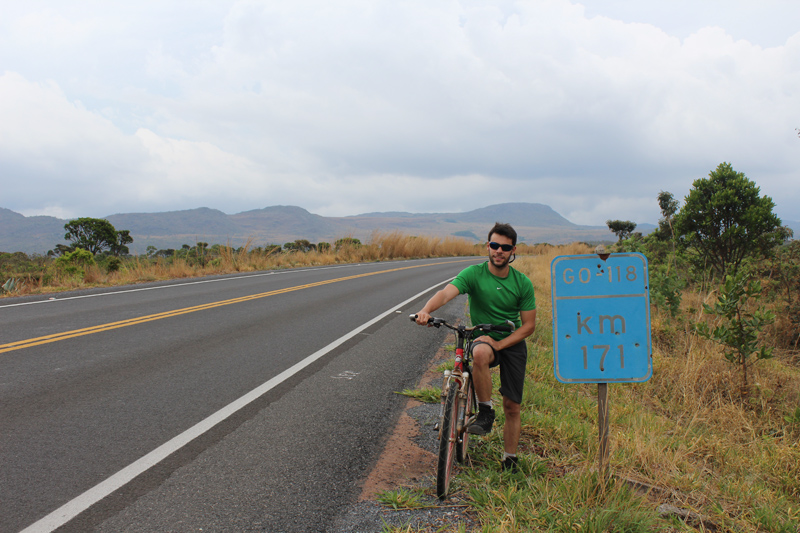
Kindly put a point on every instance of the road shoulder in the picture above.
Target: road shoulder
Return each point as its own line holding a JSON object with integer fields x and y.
{"x": 408, "y": 461}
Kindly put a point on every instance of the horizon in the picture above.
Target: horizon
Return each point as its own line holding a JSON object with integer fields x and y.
{"x": 638, "y": 223}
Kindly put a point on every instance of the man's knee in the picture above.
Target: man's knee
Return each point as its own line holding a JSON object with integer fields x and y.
{"x": 482, "y": 355}
{"x": 511, "y": 408}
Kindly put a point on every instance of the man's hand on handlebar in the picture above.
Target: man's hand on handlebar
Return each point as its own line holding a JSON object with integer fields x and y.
{"x": 422, "y": 318}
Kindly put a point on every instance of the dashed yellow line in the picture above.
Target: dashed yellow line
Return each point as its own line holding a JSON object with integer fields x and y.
{"x": 28, "y": 343}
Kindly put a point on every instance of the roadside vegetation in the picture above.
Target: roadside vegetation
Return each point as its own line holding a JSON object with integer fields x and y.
{"x": 69, "y": 268}
{"x": 712, "y": 441}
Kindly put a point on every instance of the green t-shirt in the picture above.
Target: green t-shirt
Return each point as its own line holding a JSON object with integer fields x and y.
{"x": 494, "y": 300}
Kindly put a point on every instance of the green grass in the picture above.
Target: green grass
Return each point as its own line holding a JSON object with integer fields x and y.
{"x": 403, "y": 498}
{"x": 426, "y": 395}
{"x": 447, "y": 365}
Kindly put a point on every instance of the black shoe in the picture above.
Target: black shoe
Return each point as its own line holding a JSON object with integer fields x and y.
{"x": 483, "y": 422}
{"x": 511, "y": 464}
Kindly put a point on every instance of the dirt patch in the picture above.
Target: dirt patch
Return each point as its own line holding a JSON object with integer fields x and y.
{"x": 402, "y": 462}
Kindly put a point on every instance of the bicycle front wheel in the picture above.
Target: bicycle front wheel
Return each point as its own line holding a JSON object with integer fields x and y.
{"x": 447, "y": 441}
{"x": 465, "y": 413}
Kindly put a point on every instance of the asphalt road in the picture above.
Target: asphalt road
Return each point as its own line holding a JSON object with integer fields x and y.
{"x": 251, "y": 402}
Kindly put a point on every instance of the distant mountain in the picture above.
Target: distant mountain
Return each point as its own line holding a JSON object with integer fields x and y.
{"x": 523, "y": 214}
{"x": 535, "y": 223}
{"x": 38, "y": 234}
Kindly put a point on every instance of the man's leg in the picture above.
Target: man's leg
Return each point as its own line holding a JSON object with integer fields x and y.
{"x": 512, "y": 427}
{"x": 482, "y": 357}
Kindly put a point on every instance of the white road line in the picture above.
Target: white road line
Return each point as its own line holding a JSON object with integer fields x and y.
{"x": 73, "y": 508}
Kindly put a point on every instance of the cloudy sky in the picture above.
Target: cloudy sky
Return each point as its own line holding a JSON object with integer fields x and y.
{"x": 345, "y": 107}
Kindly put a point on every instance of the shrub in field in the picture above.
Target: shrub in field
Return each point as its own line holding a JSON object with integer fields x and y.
{"x": 666, "y": 289}
{"x": 75, "y": 262}
{"x": 112, "y": 264}
{"x": 741, "y": 325}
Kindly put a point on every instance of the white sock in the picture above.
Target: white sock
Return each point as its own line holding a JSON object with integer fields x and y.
{"x": 486, "y": 404}
{"x": 506, "y": 455}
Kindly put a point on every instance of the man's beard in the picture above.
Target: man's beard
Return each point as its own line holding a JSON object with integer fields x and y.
{"x": 502, "y": 264}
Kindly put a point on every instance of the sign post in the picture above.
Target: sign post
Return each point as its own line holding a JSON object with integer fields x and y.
{"x": 601, "y": 325}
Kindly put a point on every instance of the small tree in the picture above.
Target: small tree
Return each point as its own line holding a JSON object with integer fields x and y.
{"x": 301, "y": 245}
{"x": 725, "y": 220}
{"x": 669, "y": 206}
{"x": 120, "y": 245}
{"x": 740, "y": 327}
{"x": 621, "y": 228}
{"x": 346, "y": 242}
{"x": 200, "y": 251}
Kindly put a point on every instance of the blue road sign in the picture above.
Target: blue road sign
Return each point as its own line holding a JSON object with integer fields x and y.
{"x": 601, "y": 318}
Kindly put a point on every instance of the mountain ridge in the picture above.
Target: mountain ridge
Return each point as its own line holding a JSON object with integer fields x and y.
{"x": 535, "y": 223}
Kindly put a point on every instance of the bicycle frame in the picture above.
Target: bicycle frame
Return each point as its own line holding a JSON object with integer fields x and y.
{"x": 460, "y": 374}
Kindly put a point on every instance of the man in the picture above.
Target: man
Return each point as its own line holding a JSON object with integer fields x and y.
{"x": 497, "y": 292}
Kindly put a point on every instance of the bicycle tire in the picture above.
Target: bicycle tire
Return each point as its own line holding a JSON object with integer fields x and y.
{"x": 470, "y": 402}
{"x": 447, "y": 442}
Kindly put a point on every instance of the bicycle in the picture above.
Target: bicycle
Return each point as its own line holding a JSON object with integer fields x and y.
{"x": 458, "y": 405}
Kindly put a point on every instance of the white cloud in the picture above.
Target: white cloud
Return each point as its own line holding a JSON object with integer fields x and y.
{"x": 49, "y": 145}
{"x": 245, "y": 104}
{"x": 69, "y": 161}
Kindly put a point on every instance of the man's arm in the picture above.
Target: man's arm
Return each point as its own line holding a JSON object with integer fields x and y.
{"x": 437, "y": 300}
{"x": 528, "y": 319}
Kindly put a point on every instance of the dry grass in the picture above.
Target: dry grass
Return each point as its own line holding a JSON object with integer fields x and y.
{"x": 138, "y": 269}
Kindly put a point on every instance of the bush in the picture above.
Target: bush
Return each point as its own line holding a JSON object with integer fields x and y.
{"x": 75, "y": 263}
{"x": 112, "y": 264}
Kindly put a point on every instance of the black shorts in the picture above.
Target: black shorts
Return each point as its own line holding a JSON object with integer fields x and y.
{"x": 512, "y": 362}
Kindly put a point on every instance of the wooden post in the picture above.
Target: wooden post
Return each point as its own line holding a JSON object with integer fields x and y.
{"x": 603, "y": 423}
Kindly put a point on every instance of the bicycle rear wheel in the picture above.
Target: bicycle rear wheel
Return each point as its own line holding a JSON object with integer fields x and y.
{"x": 447, "y": 441}
{"x": 468, "y": 412}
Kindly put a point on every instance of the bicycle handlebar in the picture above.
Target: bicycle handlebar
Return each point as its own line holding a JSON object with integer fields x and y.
{"x": 437, "y": 322}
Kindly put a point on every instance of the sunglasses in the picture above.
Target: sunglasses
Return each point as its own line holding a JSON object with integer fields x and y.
{"x": 505, "y": 247}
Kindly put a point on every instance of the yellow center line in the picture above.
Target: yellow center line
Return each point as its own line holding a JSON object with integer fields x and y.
{"x": 18, "y": 345}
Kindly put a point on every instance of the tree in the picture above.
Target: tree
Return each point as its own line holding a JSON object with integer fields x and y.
{"x": 96, "y": 235}
{"x": 119, "y": 247}
{"x": 300, "y": 245}
{"x": 669, "y": 206}
{"x": 59, "y": 250}
{"x": 725, "y": 220}
{"x": 621, "y": 228}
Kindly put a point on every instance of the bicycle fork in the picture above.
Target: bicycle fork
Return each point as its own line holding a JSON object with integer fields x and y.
{"x": 461, "y": 419}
